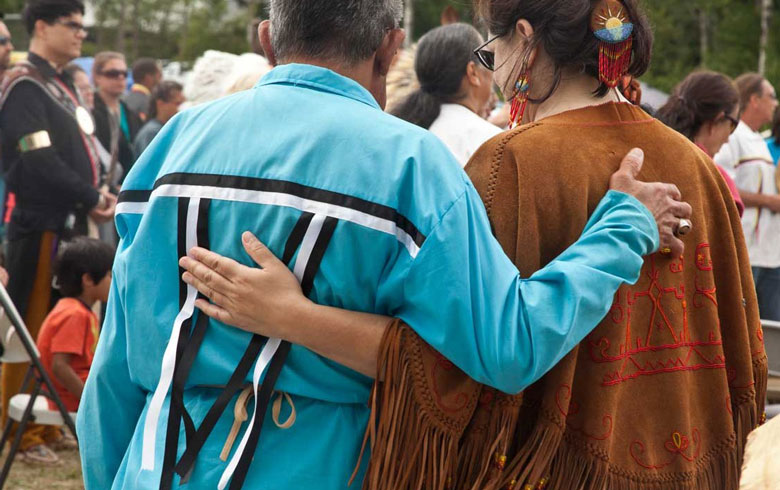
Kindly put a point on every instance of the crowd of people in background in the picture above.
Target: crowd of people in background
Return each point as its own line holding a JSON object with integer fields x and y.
{"x": 62, "y": 170}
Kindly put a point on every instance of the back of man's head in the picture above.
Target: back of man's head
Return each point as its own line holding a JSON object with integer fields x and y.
{"x": 163, "y": 92}
{"x": 341, "y": 31}
{"x": 49, "y": 11}
{"x": 143, "y": 68}
{"x": 748, "y": 85}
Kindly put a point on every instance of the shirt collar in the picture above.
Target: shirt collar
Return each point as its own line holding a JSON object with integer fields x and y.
{"x": 137, "y": 87}
{"x": 319, "y": 78}
{"x": 43, "y": 66}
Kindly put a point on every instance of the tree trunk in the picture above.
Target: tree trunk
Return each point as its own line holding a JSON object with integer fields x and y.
{"x": 766, "y": 12}
{"x": 121, "y": 29}
{"x": 704, "y": 36}
{"x": 136, "y": 27}
{"x": 409, "y": 22}
{"x": 185, "y": 28}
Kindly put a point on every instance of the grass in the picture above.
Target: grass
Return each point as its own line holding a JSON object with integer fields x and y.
{"x": 65, "y": 476}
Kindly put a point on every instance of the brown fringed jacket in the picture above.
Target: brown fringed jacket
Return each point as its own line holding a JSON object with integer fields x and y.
{"x": 661, "y": 395}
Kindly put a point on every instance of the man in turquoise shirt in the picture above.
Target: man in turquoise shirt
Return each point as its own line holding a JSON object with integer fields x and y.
{"x": 372, "y": 214}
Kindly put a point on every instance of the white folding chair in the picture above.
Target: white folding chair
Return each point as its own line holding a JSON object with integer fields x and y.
{"x": 772, "y": 345}
{"x": 18, "y": 346}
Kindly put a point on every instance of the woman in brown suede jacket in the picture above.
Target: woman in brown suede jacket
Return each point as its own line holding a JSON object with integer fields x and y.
{"x": 665, "y": 391}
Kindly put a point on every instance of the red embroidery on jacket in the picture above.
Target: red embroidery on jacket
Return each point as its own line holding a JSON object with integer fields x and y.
{"x": 703, "y": 260}
{"x": 665, "y": 345}
{"x": 678, "y": 445}
{"x": 568, "y": 407}
{"x": 461, "y": 399}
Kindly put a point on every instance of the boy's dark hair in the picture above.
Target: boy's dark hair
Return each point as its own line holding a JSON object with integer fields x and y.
{"x": 49, "y": 11}
{"x": 81, "y": 256}
{"x": 144, "y": 67}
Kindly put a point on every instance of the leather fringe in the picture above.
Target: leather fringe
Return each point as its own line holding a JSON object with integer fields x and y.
{"x": 410, "y": 450}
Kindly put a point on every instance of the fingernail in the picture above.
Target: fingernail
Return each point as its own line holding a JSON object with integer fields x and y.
{"x": 637, "y": 153}
{"x": 184, "y": 261}
{"x": 247, "y": 237}
{"x": 185, "y": 277}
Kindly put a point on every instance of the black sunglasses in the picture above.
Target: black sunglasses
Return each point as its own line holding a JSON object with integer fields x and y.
{"x": 485, "y": 57}
{"x": 4, "y": 40}
{"x": 74, "y": 26}
{"x": 114, "y": 73}
{"x": 734, "y": 122}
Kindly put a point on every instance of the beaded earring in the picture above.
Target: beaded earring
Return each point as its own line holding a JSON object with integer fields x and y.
{"x": 613, "y": 28}
{"x": 520, "y": 100}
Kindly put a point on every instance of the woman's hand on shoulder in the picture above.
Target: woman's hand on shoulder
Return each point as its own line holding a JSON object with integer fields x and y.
{"x": 258, "y": 300}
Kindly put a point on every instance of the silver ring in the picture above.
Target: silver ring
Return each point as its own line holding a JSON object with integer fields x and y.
{"x": 684, "y": 227}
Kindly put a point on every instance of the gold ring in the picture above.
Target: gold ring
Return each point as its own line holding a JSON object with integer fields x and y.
{"x": 666, "y": 250}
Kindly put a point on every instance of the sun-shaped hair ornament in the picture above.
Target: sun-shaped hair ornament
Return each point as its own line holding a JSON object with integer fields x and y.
{"x": 612, "y": 26}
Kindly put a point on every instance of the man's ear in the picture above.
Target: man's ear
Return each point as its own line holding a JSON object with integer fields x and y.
{"x": 39, "y": 29}
{"x": 387, "y": 50}
{"x": 472, "y": 76}
{"x": 86, "y": 281}
{"x": 264, "y": 35}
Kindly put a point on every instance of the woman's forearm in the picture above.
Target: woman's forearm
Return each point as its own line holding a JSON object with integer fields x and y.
{"x": 346, "y": 337}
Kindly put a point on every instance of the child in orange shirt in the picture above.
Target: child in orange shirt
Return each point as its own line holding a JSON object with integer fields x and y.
{"x": 69, "y": 334}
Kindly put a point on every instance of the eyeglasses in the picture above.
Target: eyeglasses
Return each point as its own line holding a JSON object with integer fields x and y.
{"x": 5, "y": 40}
{"x": 115, "y": 74}
{"x": 74, "y": 26}
{"x": 485, "y": 57}
{"x": 734, "y": 122}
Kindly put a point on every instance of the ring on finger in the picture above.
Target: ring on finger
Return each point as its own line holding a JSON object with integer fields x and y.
{"x": 683, "y": 227}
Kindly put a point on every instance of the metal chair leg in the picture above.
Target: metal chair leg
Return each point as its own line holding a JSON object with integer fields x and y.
{"x": 18, "y": 436}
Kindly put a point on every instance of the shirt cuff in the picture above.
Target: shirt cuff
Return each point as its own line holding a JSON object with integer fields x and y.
{"x": 646, "y": 220}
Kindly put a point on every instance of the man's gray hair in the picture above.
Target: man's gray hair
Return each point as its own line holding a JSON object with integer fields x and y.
{"x": 347, "y": 31}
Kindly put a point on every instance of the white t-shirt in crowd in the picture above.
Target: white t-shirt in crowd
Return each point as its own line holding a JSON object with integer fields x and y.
{"x": 747, "y": 159}
{"x": 462, "y": 131}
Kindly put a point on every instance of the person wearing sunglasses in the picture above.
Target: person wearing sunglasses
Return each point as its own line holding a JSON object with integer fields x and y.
{"x": 116, "y": 126}
{"x": 705, "y": 109}
{"x": 686, "y": 336}
{"x": 454, "y": 90}
{"x": 50, "y": 160}
{"x": 747, "y": 158}
{"x": 374, "y": 214}
{"x": 6, "y": 48}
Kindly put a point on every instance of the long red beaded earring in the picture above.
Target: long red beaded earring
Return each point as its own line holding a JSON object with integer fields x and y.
{"x": 520, "y": 100}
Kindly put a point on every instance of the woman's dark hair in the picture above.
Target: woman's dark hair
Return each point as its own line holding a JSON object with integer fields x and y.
{"x": 81, "y": 256}
{"x": 442, "y": 57}
{"x": 49, "y": 11}
{"x": 163, "y": 91}
{"x": 72, "y": 68}
{"x": 562, "y": 28}
{"x": 698, "y": 99}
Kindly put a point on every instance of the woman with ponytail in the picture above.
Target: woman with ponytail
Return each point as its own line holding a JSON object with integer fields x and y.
{"x": 454, "y": 90}
{"x": 705, "y": 109}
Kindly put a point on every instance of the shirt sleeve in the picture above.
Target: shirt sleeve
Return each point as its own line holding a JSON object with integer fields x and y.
{"x": 465, "y": 297}
{"x": 25, "y": 113}
{"x": 112, "y": 402}
{"x": 748, "y": 176}
{"x": 71, "y": 337}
